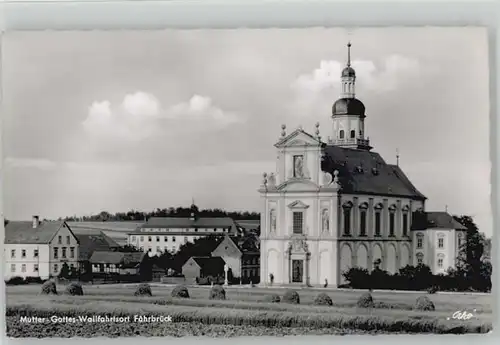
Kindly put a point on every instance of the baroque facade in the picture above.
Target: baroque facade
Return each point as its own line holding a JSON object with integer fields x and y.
{"x": 333, "y": 205}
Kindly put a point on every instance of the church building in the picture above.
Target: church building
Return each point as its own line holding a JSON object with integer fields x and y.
{"x": 334, "y": 205}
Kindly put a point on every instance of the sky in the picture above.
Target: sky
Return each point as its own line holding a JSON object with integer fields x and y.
{"x": 120, "y": 120}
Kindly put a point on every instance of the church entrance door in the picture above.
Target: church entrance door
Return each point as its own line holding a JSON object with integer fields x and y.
{"x": 297, "y": 271}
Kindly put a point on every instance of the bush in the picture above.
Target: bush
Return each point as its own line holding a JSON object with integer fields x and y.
{"x": 291, "y": 296}
{"x": 433, "y": 289}
{"x": 74, "y": 289}
{"x": 424, "y": 303}
{"x": 274, "y": 298}
{"x": 33, "y": 280}
{"x": 180, "y": 291}
{"x": 143, "y": 290}
{"x": 217, "y": 292}
{"x": 15, "y": 281}
{"x": 323, "y": 299}
{"x": 49, "y": 288}
{"x": 358, "y": 278}
{"x": 365, "y": 301}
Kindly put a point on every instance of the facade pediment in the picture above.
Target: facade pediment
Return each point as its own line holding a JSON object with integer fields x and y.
{"x": 298, "y": 138}
{"x": 298, "y": 204}
{"x": 298, "y": 185}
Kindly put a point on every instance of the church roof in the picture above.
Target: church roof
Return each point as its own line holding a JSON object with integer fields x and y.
{"x": 348, "y": 106}
{"x": 365, "y": 172}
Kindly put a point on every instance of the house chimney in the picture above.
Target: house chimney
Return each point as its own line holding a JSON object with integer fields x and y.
{"x": 35, "y": 222}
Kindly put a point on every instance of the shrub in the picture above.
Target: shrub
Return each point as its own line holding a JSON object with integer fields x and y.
{"x": 180, "y": 291}
{"x": 274, "y": 298}
{"x": 365, "y": 301}
{"x": 424, "y": 303}
{"x": 74, "y": 289}
{"x": 49, "y": 288}
{"x": 217, "y": 292}
{"x": 35, "y": 280}
{"x": 15, "y": 281}
{"x": 143, "y": 290}
{"x": 323, "y": 299}
{"x": 358, "y": 278}
{"x": 433, "y": 289}
{"x": 291, "y": 296}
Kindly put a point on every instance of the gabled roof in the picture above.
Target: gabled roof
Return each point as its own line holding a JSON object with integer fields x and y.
{"x": 188, "y": 223}
{"x": 22, "y": 232}
{"x": 92, "y": 240}
{"x": 435, "y": 220}
{"x": 246, "y": 244}
{"x": 296, "y": 134}
{"x": 210, "y": 262}
{"x": 365, "y": 172}
{"x": 108, "y": 257}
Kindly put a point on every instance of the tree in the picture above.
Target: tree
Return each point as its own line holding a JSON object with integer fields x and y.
{"x": 201, "y": 247}
{"x": 146, "y": 269}
{"x": 473, "y": 248}
{"x": 470, "y": 261}
{"x": 65, "y": 272}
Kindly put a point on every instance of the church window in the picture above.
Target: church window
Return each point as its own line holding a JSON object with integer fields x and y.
{"x": 353, "y": 134}
{"x": 391, "y": 224}
{"x": 157, "y": 238}
{"x": 440, "y": 242}
{"x": 377, "y": 223}
{"x": 298, "y": 222}
{"x": 149, "y": 238}
{"x": 362, "y": 223}
{"x": 347, "y": 221}
{"x": 440, "y": 263}
{"x": 405, "y": 224}
{"x": 341, "y": 134}
{"x": 420, "y": 241}
{"x": 420, "y": 258}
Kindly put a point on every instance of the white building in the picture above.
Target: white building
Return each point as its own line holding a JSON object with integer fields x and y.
{"x": 38, "y": 249}
{"x": 336, "y": 205}
{"x": 168, "y": 234}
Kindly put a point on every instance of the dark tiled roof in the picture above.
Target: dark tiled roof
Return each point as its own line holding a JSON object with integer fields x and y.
{"x": 23, "y": 232}
{"x": 365, "y": 172}
{"x": 248, "y": 224}
{"x": 246, "y": 244}
{"x": 435, "y": 220}
{"x": 108, "y": 257}
{"x": 210, "y": 264}
{"x": 92, "y": 240}
{"x": 188, "y": 223}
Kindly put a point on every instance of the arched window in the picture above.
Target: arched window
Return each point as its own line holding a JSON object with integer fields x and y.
{"x": 347, "y": 218}
{"x": 362, "y": 218}
{"x": 420, "y": 258}
{"x": 420, "y": 240}
{"x": 353, "y": 134}
{"x": 378, "y": 219}
{"x": 440, "y": 260}
{"x": 341, "y": 134}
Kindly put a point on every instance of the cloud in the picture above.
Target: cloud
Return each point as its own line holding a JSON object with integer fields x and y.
{"x": 202, "y": 108}
{"x": 379, "y": 78}
{"x": 140, "y": 114}
{"x": 30, "y": 163}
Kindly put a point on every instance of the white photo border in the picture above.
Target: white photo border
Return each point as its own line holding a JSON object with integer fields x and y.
{"x": 192, "y": 14}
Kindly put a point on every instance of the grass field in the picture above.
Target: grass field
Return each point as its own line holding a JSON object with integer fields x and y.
{"x": 244, "y": 312}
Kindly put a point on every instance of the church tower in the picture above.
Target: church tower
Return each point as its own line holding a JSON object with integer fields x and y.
{"x": 348, "y": 112}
